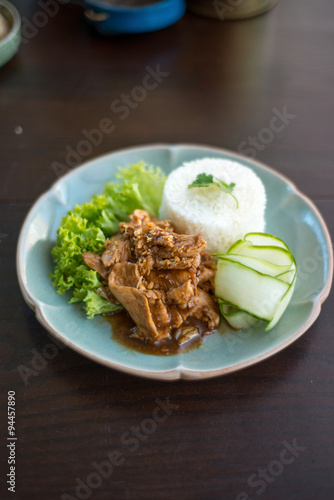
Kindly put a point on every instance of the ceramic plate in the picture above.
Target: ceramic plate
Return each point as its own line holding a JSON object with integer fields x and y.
{"x": 289, "y": 215}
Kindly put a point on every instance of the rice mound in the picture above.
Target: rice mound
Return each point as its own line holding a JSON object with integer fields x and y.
{"x": 211, "y": 211}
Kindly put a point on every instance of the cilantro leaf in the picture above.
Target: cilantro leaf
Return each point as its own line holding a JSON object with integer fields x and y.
{"x": 227, "y": 188}
{"x": 205, "y": 180}
{"x": 202, "y": 180}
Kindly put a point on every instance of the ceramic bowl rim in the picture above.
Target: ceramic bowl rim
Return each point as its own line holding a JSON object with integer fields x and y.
{"x": 15, "y": 28}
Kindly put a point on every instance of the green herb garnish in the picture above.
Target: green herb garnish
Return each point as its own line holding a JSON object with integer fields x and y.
{"x": 205, "y": 180}
{"x": 86, "y": 227}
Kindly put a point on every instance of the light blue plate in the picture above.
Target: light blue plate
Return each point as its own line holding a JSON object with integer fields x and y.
{"x": 290, "y": 216}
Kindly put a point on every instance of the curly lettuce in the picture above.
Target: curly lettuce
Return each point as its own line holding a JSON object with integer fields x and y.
{"x": 87, "y": 226}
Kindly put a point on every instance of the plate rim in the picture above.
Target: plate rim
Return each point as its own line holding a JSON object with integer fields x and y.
{"x": 179, "y": 373}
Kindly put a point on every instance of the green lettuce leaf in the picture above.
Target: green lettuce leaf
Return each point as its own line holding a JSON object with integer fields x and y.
{"x": 87, "y": 226}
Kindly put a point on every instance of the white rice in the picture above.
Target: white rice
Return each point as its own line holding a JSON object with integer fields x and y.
{"x": 211, "y": 211}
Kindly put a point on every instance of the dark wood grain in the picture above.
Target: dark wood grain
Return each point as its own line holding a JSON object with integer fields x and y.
{"x": 224, "y": 81}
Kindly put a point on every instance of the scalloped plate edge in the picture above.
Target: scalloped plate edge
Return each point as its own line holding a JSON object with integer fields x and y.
{"x": 180, "y": 373}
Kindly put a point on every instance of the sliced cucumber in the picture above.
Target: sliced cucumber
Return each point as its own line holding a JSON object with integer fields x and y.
{"x": 255, "y": 280}
{"x": 240, "y": 320}
{"x": 226, "y": 309}
{"x": 281, "y": 306}
{"x": 238, "y": 246}
{"x": 288, "y": 276}
{"x": 263, "y": 266}
{"x": 274, "y": 255}
{"x": 249, "y": 290}
{"x": 264, "y": 239}
{"x": 236, "y": 318}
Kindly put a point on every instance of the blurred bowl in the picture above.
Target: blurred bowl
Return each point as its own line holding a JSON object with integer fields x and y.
{"x": 230, "y": 9}
{"x": 10, "y": 43}
{"x": 133, "y": 16}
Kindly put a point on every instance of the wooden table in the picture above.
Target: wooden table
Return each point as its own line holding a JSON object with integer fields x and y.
{"x": 224, "y": 438}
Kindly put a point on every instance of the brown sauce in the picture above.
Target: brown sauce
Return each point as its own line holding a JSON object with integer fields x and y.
{"x": 122, "y": 327}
